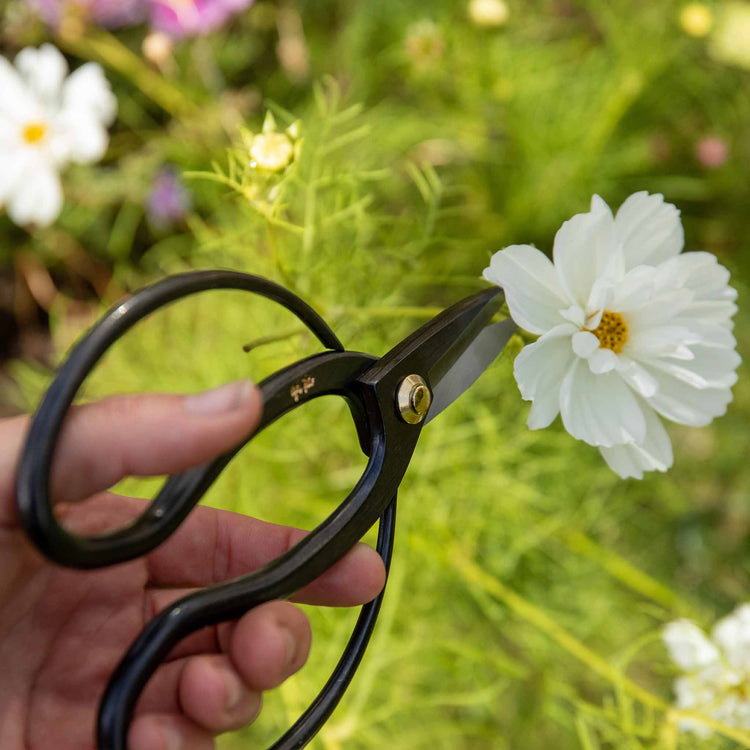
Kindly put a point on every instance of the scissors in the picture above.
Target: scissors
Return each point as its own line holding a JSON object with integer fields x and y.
{"x": 390, "y": 398}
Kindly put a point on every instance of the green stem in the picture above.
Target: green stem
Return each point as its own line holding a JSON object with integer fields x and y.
{"x": 391, "y": 312}
{"x": 106, "y": 49}
{"x": 270, "y": 229}
{"x": 627, "y": 573}
{"x": 274, "y": 338}
{"x": 474, "y": 575}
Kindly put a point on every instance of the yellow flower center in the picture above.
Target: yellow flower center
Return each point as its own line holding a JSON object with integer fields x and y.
{"x": 34, "y": 132}
{"x": 742, "y": 691}
{"x": 271, "y": 151}
{"x": 612, "y": 331}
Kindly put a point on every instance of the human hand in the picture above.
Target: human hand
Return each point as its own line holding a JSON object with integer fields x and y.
{"x": 62, "y": 632}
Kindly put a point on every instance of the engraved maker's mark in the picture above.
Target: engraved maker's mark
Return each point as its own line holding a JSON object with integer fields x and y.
{"x": 301, "y": 388}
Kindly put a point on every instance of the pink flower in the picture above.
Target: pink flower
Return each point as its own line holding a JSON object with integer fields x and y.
{"x": 711, "y": 151}
{"x": 108, "y": 13}
{"x": 185, "y": 18}
{"x": 178, "y": 19}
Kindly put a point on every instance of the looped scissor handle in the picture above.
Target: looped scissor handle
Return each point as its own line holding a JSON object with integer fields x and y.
{"x": 333, "y": 373}
{"x": 174, "y": 501}
{"x": 180, "y": 493}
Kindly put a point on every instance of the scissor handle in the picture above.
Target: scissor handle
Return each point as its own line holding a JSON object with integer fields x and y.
{"x": 387, "y": 441}
{"x": 332, "y": 373}
{"x": 308, "y": 724}
{"x": 181, "y": 492}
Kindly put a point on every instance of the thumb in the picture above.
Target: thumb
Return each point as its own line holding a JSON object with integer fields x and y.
{"x": 138, "y": 435}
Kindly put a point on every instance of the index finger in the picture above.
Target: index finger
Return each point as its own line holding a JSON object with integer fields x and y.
{"x": 139, "y": 435}
{"x": 217, "y": 545}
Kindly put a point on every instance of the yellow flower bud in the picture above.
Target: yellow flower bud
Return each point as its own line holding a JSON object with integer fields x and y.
{"x": 696, "y": 19}
{"x": 488, "y": 13}
{"x": 158, "y": 48}
{"x": 271, "y": 151}
{"x": 730, "y": 42}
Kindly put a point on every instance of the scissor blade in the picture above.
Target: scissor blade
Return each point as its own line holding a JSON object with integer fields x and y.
{"x": 470, "y": 365}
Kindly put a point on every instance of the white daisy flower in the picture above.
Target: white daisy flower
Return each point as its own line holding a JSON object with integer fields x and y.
{"x": 46, "y": 122}
{"x": 629, "y": 329}
{"x": 716, "y": 679}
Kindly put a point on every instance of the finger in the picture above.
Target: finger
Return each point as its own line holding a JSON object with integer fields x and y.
{"x": 208, "y": 640}
{"x": 214, "y": 545}
{"x": 269, "y": 644}
{"x": 167, "y": 732}
{"x": 99, "y": 514}
{"x": 140, "y": 435}
{"x": 214, "y": 696}
{"x": 221, "y": 692}
{"x": 273, "y": 622}
{"x": 12, "y": 436}
{"x": 207, "y": 689}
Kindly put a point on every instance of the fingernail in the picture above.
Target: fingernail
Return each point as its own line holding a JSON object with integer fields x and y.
{"x": 219, "y": 400}
{"x": 172, "y": 739}
{"x": 291, "y": 647}
{"x": 233, "y": 690}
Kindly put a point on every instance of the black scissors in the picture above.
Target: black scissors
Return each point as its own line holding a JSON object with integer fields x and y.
{"x": 390, "y": 399}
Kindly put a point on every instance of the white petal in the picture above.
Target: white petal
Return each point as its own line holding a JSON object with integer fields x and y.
{"x": 598, "y": 204}
{"x": 44, "y": 70}
{"x": 662, "y": 309}
{"x": 600, "y": 298}
{"x": 539, "y": 370}
{"x": 600, "y": 409}
{"x": 708, "y": 333}
{"x": 661, "y": 341}
{"x": 88, "y": 89}
{"x": 649, "y": 230}
{"x": 85, "y": 137}
{"x": 575, "y": 315}
{"x": 636, "y": 376}
{"x": 714, "y": 311}
{"x": 9, "y": 135}
{"x": 14, "y": 165}
{"x": 532, "y": 289}
{"x": 17, "y": 104}
{"x": 733, "y": 711}
{"x": 602, "y": 360}
{"x": 585, "y": 344}
{"x": 585, "y": 250}
{"x": 58, "y": 145}
{"x": 711, "y": 334}
{"x": 634, "y": 290}
{"x": 680, "y": 402}
{"x": 688, "y": 645}
{"x": 38, "y": 197}
{"x": 703, "y": 275}
{"x": 623, "y": 460}
{"x": 691, "y": 693}
{"x": 653, "y": 454}
{"x": 732, "y": 634}
{"x": 710, "y": 367}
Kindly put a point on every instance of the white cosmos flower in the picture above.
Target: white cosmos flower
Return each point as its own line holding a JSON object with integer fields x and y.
{"x": 716, "y": 670}
{"x": 629, "y": 329}
{"x": 46, "y": 122}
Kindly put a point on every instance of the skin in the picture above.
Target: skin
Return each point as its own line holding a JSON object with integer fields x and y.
{"x": 63, "y": 631}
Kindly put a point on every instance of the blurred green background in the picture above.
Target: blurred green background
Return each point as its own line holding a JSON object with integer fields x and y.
{"x": 529, "y": 583}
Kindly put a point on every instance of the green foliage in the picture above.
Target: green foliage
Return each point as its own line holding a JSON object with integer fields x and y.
{"x": 529, "y": 583}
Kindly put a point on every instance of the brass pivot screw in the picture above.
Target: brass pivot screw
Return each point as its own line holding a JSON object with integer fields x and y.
{"x": 413, "y": 399}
